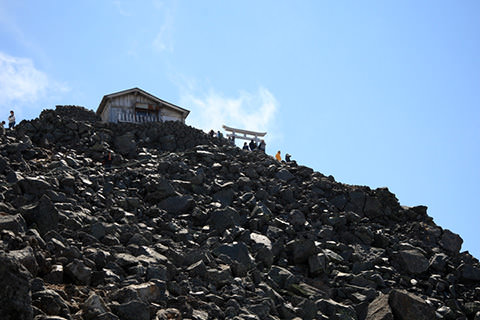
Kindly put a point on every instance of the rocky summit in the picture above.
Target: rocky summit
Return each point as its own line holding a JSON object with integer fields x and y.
{"x": 186, "y": 226}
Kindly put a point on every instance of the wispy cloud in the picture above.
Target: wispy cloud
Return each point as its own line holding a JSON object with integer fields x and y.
{"x": 247, "y": 110}
{"x": 163, "y": 40}
{"x": 121, "y": 9}
{"x": 21, "y": 81}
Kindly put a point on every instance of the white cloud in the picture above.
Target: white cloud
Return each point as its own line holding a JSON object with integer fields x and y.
{"x": 251, "y": 111}
{"x": 163, "y": 40}
{"x": 21, "y": 82}
{"x": 120, "y": 5}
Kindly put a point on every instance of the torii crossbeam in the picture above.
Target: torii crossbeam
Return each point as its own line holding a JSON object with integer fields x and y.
{"x": 244, "y": 134}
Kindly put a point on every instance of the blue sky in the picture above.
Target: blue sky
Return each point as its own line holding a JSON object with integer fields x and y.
{"x": 376, "y": 93}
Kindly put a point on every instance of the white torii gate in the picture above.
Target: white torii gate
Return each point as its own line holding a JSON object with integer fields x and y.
{"x": 244, "y": 134}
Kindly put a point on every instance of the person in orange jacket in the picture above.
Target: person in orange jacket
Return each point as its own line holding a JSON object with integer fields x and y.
{"x": 278, "y": 156}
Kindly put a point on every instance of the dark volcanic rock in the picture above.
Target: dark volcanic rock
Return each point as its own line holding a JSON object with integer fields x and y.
{"x": 15, "y": 300}
{"x": 187, "y": 226}
{"x": 407, "y": 306}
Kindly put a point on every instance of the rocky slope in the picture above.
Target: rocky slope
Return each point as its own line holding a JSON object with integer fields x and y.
{"x": 188, "y": 227}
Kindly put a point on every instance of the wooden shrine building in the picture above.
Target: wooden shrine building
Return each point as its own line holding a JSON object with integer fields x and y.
{"x": 138, "y": 106}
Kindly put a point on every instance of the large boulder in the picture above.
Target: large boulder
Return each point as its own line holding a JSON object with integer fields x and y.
{"x": 379, "y": 309}
{"x": 125, "y": 144}
{"x": 15, "y": 300}
{"x": 407, "y": 306}
{"x": 451, "y": 241}
{"x": 42, "y": 214}
{"x": 413, "y": 261}
{"x": 177, "y": 204}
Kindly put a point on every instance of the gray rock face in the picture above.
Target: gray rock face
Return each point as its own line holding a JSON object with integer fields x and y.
{"x": 15, "y": 300}
{"x": 132, "y": 310}
{"x": 187, "y": 226}
{"x": 409, "y": 306}
{"x": 43, "y": 215}
{"x": 236, "y": 251}
{"x": 451, "y": 241}
{"x": 379, "y": 309}
{"x": 125, "y": 144}
{"x": 177, "y": 204}
{"x": 15, "y": 223}
{"x": 413, "y": 261}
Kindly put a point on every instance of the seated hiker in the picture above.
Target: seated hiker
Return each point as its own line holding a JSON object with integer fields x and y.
{"x": 278, "y": 156}
{"x": 245, "y": 146}
{"x": 287, "y": 158}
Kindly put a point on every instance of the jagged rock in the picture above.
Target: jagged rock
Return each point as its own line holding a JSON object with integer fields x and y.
{"x": 282, "y": 277}
{"x": 373, "y": 207}
{"x": 15, "y": 300}
{"x": 94, "y": 306}
{"x": 132, "y": 310}
{"x": 438, "y": 262}
{"x": 222, "y": 219}
{"x": 379, "y": 309}
{"x": 79, "y": 271}
{"x": 301, "y": 249}
{"x": 36, "y": 186}
{"x": 27, "y": 258}
{"x": 15, "y": 223}
{"x": 412, "y": 260}
{"x": 51, "y": 302}
{"x": 149, "y": 291}
{"x": 236, "y": 251}
{"x": 285, "y": 175}
{"x": 451, "y": 241}
{"x": 125, "y": 144}
{"x": 167, "y": 314}
{"x": 317, "y": 263}
{"x": 177, "y": 204}
{"x": 55, "y": 276}
{"x": 469, "y": 272}
{"x": 43, "y": 215}
{"x": 407, "y": 306}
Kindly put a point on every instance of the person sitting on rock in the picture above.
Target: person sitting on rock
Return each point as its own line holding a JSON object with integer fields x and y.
{"x": 287, "y": 158}
{"x": 2, "y": 132}
{"x": 253, "y": 145}
{"x": 278, "y": 156}
{"x": 245, "y": 146}
{"x": 107, "y": 161}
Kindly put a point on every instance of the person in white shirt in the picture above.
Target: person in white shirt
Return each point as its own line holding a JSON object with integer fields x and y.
{"x": 11, "y": 120}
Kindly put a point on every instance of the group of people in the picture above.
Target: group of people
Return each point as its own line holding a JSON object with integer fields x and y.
{"x": 253, "y": 145}
{"x": 278, "y": 156}
{"x": 11, "y": 122}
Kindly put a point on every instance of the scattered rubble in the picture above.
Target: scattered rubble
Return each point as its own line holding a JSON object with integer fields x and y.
{"x": 185, "y": 226}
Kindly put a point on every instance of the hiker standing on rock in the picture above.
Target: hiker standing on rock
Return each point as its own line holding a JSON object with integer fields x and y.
{"x": 11, "y": 120}
{"x": 3, "y": 128}
{"x": 262, "y": 146}
{"x": 252, "y": 145}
